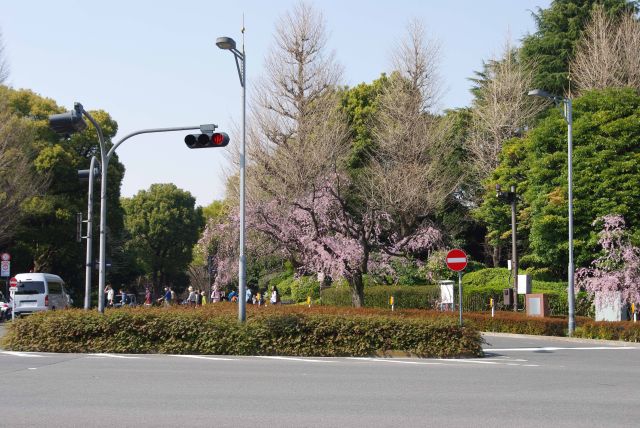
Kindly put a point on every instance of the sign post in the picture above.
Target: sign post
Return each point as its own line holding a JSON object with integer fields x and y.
{"x": 457, "y": 261}
{"x": 13, "y": 286}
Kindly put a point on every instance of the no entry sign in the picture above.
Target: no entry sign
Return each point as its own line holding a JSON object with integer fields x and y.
{"x": 456, "y": 260}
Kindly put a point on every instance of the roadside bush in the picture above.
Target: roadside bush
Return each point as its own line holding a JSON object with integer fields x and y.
{"x": 625, "y": 330}
{"x": 303, "y": 287}
{"x": 272, "y": 330}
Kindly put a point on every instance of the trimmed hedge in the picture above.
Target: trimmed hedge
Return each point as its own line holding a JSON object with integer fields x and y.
{"x": 273, "y": 330}
{"x": 624, "y": 330}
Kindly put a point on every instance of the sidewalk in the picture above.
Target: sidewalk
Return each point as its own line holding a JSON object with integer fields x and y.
{"x": 563, "y": 339}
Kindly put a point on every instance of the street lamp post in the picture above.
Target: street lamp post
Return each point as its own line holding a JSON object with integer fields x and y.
{"x": 70, "y": 122}
{"x": 568, "y": 116}
{"x": 511, "y": 198}
{"x": 89, "y": 174}
{"x": 227, "y": 43}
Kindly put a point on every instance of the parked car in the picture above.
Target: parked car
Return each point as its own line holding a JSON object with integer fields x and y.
{"x": 5, "y": 308}
{"x": 40, "y": 292}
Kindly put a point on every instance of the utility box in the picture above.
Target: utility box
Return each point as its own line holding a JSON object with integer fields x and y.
{"x": 537, "y": 305}
{"x": 446, "y": 292}
{"x": 507, "y": 295}
{"x": 524, "y": 284}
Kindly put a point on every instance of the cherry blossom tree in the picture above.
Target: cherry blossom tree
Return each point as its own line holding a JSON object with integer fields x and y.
{"x": 618, "y": 269}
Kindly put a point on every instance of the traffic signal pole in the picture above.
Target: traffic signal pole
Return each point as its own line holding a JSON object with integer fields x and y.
{"x": 105, "y": 157}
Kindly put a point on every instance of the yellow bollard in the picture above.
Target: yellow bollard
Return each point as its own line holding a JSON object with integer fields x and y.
{"x": 391, "y": 302}
{"x": 633, "y": 311}
{"x": 309, "y": 301}
{"x": 493, "y": 309}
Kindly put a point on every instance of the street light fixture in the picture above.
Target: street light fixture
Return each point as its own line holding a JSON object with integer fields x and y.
{"x": 70, "y": 122}
{"x": 227, "y": 43}
{"x": 568, "y": 116}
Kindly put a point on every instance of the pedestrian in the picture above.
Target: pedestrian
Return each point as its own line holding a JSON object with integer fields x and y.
{"x": 166, "y": 296}
{"x": 198, "y": 298}
{"x": 110, "y": 295}
{"x": 203, "y": 297}
{"x": 173, "y": 295}
{"x": 191, "y": 298}
{"x": 275, "y": 295}
{"x": 233, "y": 296}
{"x": 147, "y": 297}
{"x": 216, "y": 294}
{"x": 123, "y": 297}
{"x": 248, "y": 295}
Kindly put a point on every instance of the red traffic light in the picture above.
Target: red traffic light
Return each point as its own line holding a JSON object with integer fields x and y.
{"x": 203, "y": 141}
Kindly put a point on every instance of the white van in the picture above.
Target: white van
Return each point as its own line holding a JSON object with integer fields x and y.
{"x": 39, "y": 292}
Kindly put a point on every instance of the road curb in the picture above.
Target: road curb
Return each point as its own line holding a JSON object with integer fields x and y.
{"x": 562, "y": 339}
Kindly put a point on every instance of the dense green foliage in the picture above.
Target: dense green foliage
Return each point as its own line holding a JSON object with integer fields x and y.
{"x": 606, "y": 180}
{"x": 268, "y": 331}
{"x": 163, "y": 224}
{"x": 559, "y": 28}
{"x": 45, "y": 238}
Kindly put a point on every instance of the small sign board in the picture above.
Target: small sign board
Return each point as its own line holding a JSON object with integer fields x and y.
{"x": 5, "y": 257}
{"x": 456, "y": 260}
{"x": 5, "y": 268}
{"x": 13, "y": 284}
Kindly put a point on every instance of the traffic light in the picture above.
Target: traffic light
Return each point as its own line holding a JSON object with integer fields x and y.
{"x": 69, "y": 122}
{"x": 202, "y": 141}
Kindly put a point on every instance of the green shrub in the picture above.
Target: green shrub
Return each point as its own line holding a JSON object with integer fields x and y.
{"x": 272, "y": 330}
{"x": 495, "y": 277}
{"x": 303, "y": 287}
{"x": 625, "y": 330}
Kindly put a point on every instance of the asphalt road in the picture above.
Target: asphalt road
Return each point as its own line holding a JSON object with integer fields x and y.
{"x": 523, "y": 382}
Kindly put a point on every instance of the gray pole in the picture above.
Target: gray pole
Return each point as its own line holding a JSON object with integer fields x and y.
{"x": 89, "y": 262}
{"x": 104, "y": 164}
{"x": 460, "y": 295}
{"x": 514, "y": 248}
{"x": 569, "y": 117}
{"x": 242, "y": 261}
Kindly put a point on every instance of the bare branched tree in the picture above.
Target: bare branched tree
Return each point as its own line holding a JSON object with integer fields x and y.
{"x": 608, "y": 54}
{"x": 417, "y": 58}
{"x": 4, "y": 65}
{"x": 18, "y": 181}
{"x": 501, "y": 110}
{"x": 298, "y": 133}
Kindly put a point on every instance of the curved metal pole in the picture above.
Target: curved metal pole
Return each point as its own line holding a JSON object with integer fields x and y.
{"x": 105, "y": 157}
{"x": 104, "y": 162}
{"x": 89, "y": 261}
{"x": 242, "y": 277}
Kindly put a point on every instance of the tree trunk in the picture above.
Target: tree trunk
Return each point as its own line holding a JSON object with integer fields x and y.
{"x": 357, "y": 290}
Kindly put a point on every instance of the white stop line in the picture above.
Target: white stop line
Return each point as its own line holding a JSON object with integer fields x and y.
{"x": 554, "y": 348}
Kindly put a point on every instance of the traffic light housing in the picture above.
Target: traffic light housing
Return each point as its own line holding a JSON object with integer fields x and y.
{"x": 68, "y": 123}
{"x": 206, "y": 140}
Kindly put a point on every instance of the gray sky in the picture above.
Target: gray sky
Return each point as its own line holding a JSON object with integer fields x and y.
{"x": 154, "y": 63}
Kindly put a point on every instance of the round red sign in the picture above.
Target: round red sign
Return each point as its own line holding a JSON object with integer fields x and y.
{"x": 456, "y": 260}
{"x": 13, "y": 282}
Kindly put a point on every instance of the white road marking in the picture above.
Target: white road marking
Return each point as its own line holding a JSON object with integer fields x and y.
{"x": 470, "y": 361}
{"x": 386, "y": 360}
{"x": 203, "y": 357}
{"x": 32, "y": 368}
{"x": 128, "y": 357}
{"x": 557, "y": 348}
{"x": 309, "y": 360}
{"x": 21, "y": 354}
